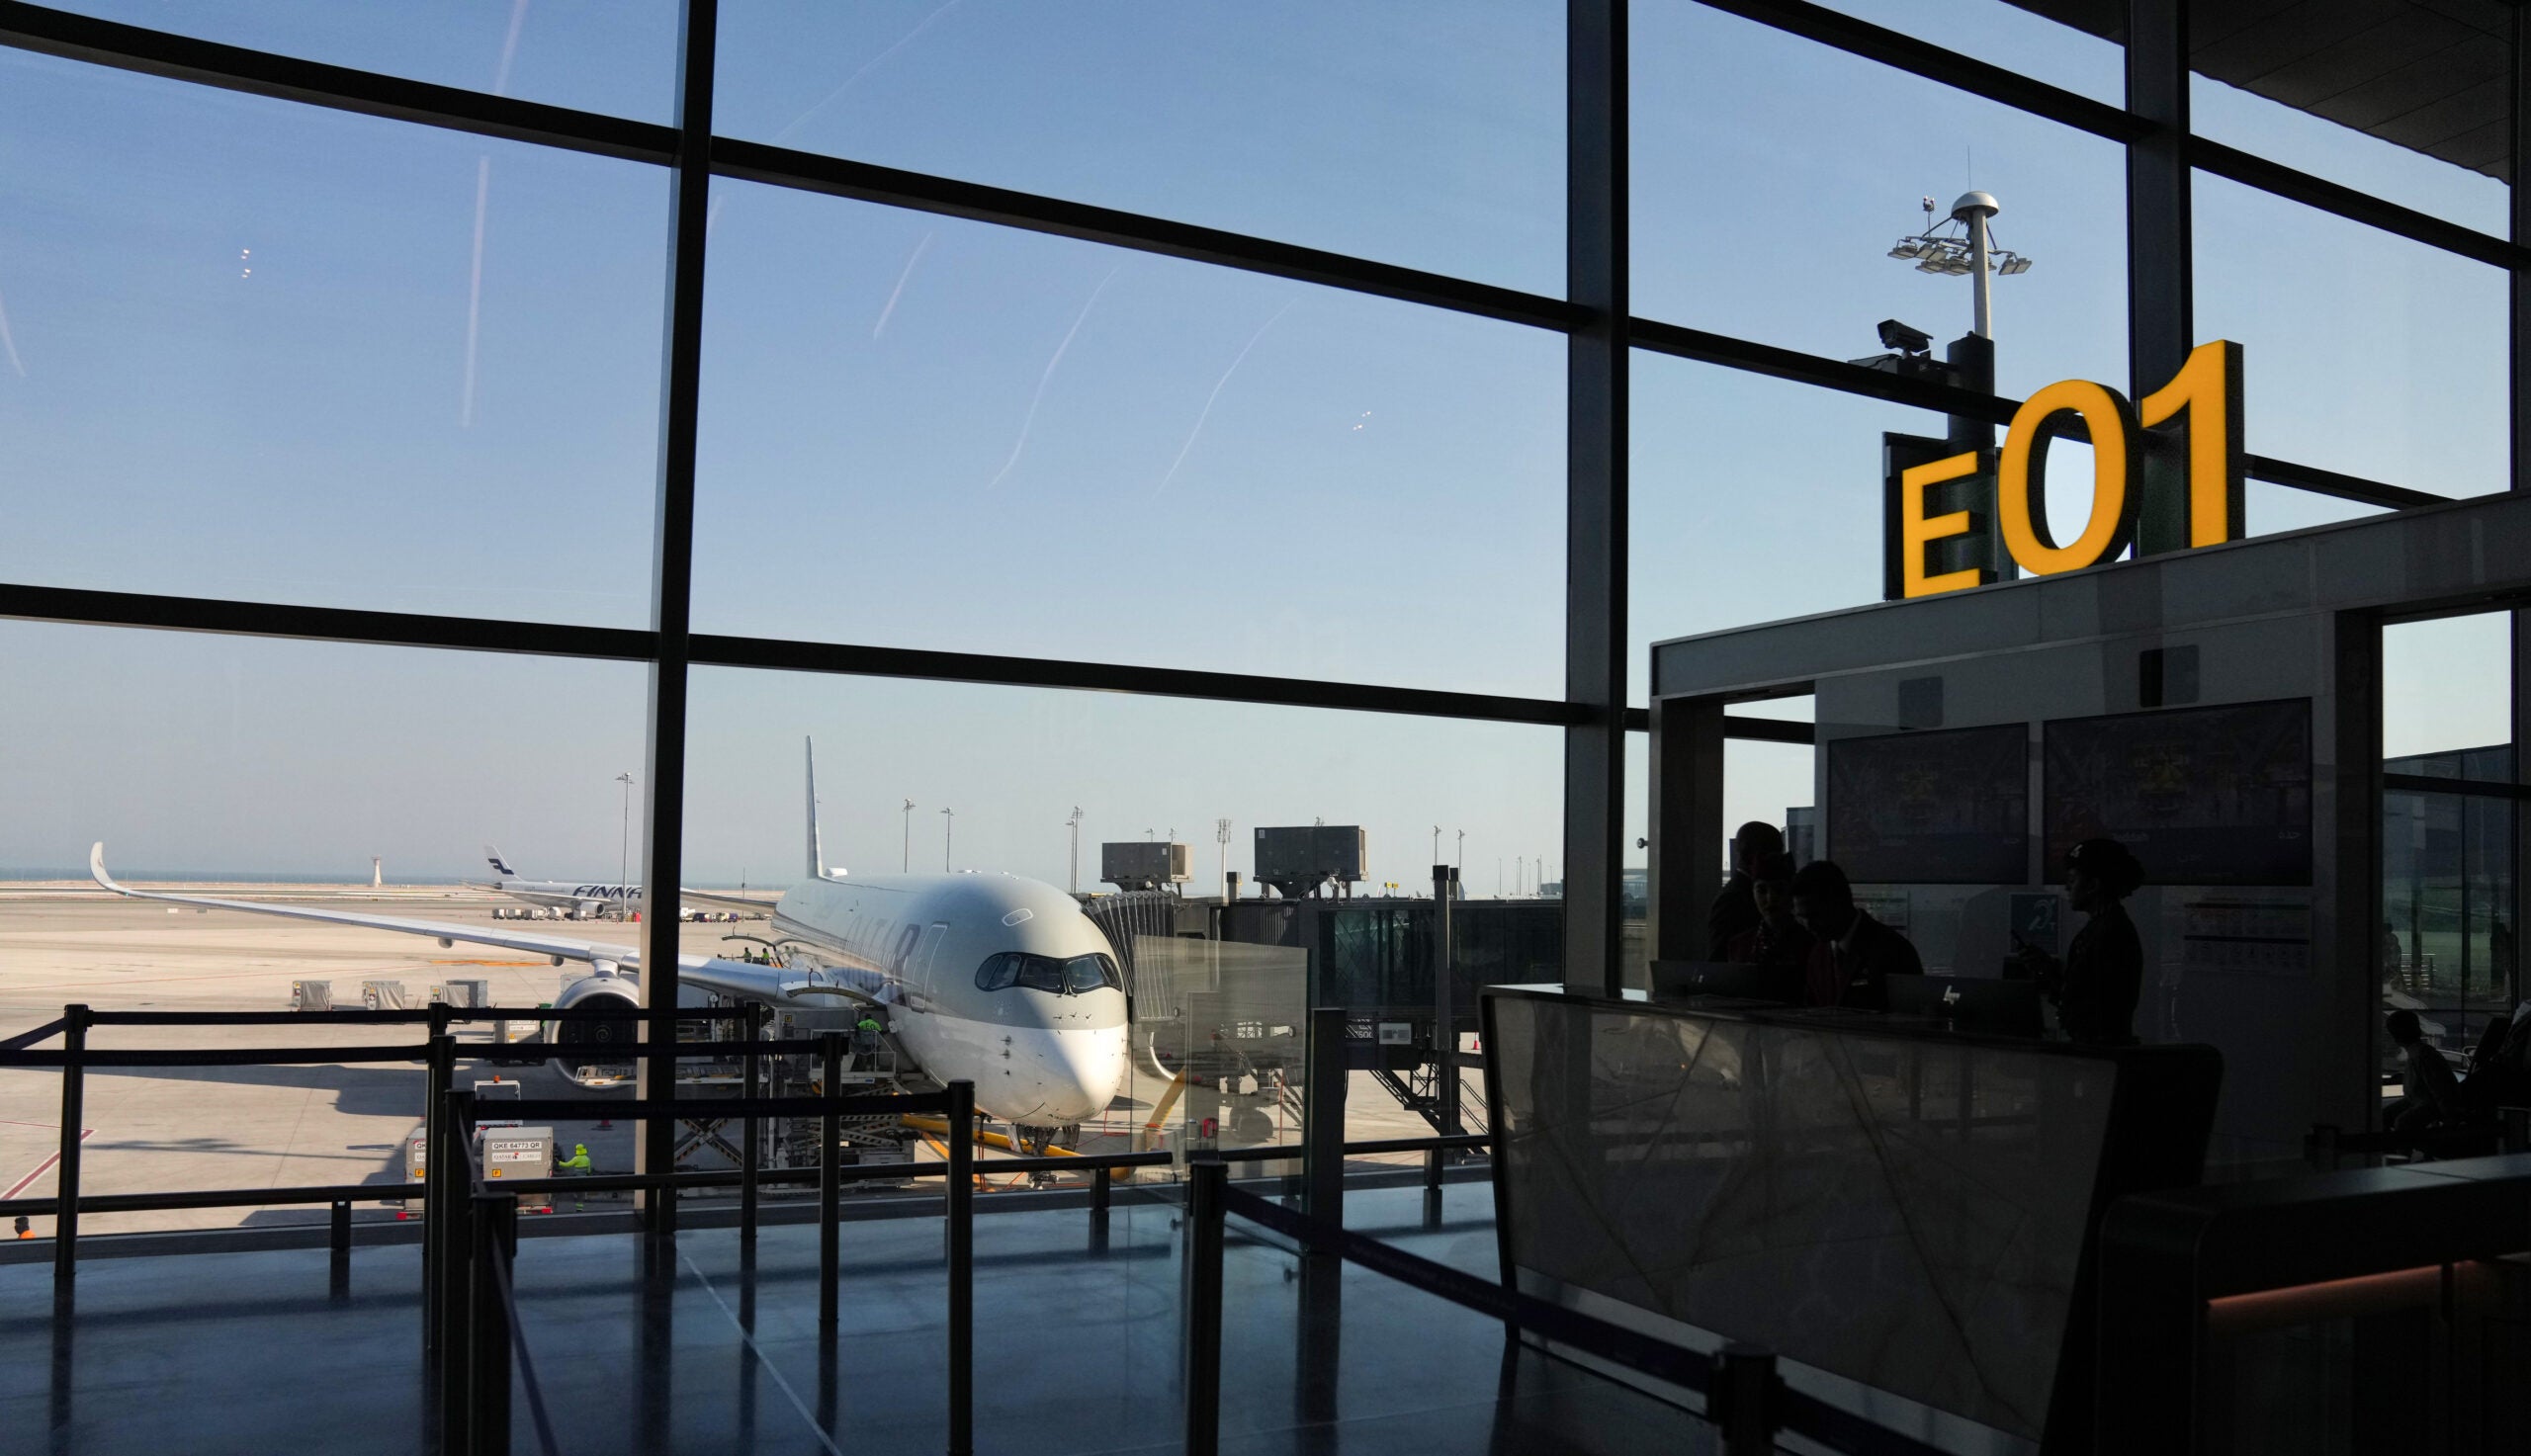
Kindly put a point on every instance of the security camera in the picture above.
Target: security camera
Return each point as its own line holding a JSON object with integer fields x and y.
{"x": 1906, "y": 340}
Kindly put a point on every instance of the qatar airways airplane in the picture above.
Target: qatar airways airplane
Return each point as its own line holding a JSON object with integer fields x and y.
{"x": 989, "y": 978}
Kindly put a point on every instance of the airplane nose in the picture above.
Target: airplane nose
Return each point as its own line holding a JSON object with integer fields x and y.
{"x": 1082, "y": 1068}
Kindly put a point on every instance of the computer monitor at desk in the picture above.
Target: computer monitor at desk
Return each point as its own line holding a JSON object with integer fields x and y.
{"x": 1969, "y": 1003}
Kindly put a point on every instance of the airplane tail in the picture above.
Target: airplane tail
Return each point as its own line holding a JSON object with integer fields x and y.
{"x": 498, "y": 866}
{"x": 817, "y": 851}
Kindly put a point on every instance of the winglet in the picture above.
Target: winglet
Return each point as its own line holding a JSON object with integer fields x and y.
{"x": 97, "y": 868}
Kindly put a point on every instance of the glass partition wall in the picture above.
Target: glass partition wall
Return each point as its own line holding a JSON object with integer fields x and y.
{"x": 1282, "y": 364}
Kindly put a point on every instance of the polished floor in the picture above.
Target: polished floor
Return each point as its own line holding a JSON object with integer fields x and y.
{"x": 1077, "y": 1348}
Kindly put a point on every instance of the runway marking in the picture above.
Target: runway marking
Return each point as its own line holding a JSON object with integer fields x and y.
{"x": 769, "y": 1368}
{"x": 53, "y": 1158}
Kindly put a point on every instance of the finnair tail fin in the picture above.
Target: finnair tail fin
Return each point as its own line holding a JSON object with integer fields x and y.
{"x": 817, "y": 851}
{"x": 498, "y": 866}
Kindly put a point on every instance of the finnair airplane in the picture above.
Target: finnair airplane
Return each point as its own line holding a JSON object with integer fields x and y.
{"x": 587, "y": 901}
{"x": 990, "y": 978}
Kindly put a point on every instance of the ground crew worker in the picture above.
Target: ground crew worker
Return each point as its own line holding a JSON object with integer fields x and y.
{"x": 23, "y": 1230}
{"x": 578, "y": 1163}
{"x": 865, "y": 1042}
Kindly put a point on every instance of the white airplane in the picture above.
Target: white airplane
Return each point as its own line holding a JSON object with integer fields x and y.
{"x": 586, "y": 900}
{"x": 989, "y": 978}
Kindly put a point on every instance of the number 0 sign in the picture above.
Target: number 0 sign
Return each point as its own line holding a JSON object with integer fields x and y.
{"x": 2196, "y": 418}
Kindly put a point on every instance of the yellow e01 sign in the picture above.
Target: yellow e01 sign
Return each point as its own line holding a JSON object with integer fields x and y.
{"x": 2179, "y": 452}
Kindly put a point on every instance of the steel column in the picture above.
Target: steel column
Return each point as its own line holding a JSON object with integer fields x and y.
{"x": 493, "y": 1222}
{"x": 2161, "y": 242}
{"x": 671, "y": 599}
{"x": 749, "y": 1164}
{"x": 441, "y": 1058}
{"x": 1596, "y": 375}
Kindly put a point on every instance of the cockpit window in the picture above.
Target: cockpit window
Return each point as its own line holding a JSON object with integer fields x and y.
{"x": 1045, "y": 972}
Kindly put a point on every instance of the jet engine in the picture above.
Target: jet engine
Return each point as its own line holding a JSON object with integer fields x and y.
{"x": 597, "y": 1041}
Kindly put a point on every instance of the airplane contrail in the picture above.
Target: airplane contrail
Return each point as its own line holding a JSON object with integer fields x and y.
{"x": 894, "y": 292}
{"x": 1029, "y": 420}
{"x": 474, "y": 290}
{"x": 509, "y": 49}
{"x": 1207, "y": 412}
{"x": 10, "y": 343}
{"x": 866, "y": 68}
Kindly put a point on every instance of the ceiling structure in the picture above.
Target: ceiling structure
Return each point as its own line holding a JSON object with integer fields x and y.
{"x": 2431, "y": 75}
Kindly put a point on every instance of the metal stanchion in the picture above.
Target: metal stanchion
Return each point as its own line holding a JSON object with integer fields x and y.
{"x": 1102, "y": 1186}
{"x": 1206, "y": 1176}
{"x": 1431, "y": 1187}
{"x": 962, "y": 1268}
{"x": 752, "y": 1160}
{"x": 1744, "y": 1401}
{"x": 441, "y": 1058}
{"x": 450, "y": 1294}
{"x": 339, "y": 1244}
{"x": 1323, "y": 1121}
{"x": 494, "y": 1221}
{"x": 66, "y": 1182}
{"x": 830, "y": 1179}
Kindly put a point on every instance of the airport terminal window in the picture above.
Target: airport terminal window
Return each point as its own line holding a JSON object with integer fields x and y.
{"x": 253, "y": 352}
{"x": 1430, "y": 136}
{"x": 618, "y": 58}
{"x": 2009, "y": 35}
{"x": 2362, "y": 352}
{"x": 1044, "y": 972}
{"x": 1771, "y": 176}
{"x": 2342, "y": 153}
{"x": 1211, "y": 467}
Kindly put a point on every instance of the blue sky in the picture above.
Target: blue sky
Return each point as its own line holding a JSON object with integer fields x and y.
{"x": 260, "y": 350}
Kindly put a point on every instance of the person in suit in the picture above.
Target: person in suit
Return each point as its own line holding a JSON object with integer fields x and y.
{"x": 2095, "y": 986}
{"x": 1777, "y": 939}
{"x": 1853, "y": 955}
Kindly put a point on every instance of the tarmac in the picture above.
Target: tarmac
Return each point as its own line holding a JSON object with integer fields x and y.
{"x": 165, "y": 1129}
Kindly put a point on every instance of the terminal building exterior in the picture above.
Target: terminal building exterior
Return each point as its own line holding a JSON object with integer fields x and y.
{"x": 1462, "y": 415}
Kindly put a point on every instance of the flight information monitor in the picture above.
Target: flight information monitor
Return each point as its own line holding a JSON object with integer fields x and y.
{"x": 1948, "y": 807}
{"x": 2204, "y": 795}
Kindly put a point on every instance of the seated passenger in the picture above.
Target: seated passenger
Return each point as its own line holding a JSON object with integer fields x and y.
{"x": 1854, "y": 955}
{"x": 1777, "y": 939}
{"x": 2433, "y": 1094}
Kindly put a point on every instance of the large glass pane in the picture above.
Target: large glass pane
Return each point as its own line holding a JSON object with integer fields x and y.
{"x": 2448, "y": 945}
{"x": 928, "y": 433}
{"x": 1752, "y": 500}
{"x": 1773, "y": 175}
{"x": 2324, "y": 139}
{"x": 2009, "y": 35}
{"x": 267, "y": 351}
{"x": 2363, "y": 352}
{"x": 996, "y": 783}
{"x": 2447, "y": 696}
{"x": 618, "y": 57}
{"x": 347, "y": 781}
{"x": 1430, "y": 136}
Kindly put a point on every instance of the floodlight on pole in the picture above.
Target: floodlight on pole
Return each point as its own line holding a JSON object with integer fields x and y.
{"x": 623, "y": 841}
{"x": 1075, "y": 822}
{"x": 1968, "y": 253}
{"x": 948, "y": 823}
{"x": 905, "y": 866}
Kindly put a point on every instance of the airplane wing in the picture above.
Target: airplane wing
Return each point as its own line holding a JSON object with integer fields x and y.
{"x": 731, "y": 902}
{"x": 771, "y": 983}
{"x": 559, "y": 948}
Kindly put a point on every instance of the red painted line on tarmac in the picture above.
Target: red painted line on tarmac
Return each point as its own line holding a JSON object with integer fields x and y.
{"x": 44, "y": 1167}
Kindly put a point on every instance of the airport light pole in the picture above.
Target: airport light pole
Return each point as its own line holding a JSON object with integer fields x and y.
{"x": 1460, "y": 861}
{"x": 1972, "y": 251}
{"x": 1075, "y": 822}
{"x": 623, "y": 841}
{"x": 1221, "y": 837}
{"x": 948, "y": 822}
{"x": 905, "y": 865}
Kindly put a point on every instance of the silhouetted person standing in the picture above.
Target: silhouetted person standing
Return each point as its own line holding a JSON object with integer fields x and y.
{"x": 1854, "y": 955}
{"x": 2095, "y": 986}
{"x": 1736, "y": 909}
{"x": 2432, "y": 1091}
